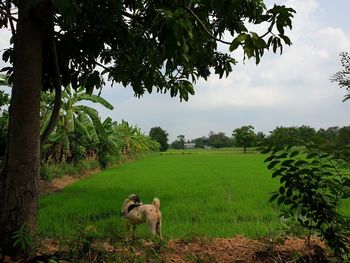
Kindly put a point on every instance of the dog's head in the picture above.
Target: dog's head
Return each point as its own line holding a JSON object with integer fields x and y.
{"x": 131, "y": 202}
{"x": 134, "y": 198}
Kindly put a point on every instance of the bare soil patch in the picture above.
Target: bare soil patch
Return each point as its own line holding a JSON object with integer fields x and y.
{"x": 57, "y": 184}
{"x": 237, "y": 249}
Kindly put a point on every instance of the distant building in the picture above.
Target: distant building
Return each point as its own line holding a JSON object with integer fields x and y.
{"x": 189, "y": 145}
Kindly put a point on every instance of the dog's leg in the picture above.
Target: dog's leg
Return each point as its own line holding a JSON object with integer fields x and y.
{"x": 158, "y": 229}
{"x": 127, "y": 228}
{"x": 152, "y": 226}
{"x": 133, "y": 231}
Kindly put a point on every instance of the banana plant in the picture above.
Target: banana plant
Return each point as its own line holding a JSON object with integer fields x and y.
{"x": 78, "y": 126}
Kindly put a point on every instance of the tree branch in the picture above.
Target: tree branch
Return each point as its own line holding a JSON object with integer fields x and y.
{"x": 8, "y": 9}
{"x": 102, "y": 66}
{"x": 8, "y": 15}
{"x": 52, "y": 51}
{"x": 205, "y": 28}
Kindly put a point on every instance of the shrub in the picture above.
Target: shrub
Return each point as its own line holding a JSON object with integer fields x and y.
{"x": 312, "y": 187}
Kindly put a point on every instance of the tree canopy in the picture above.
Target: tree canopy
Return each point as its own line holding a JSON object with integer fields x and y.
{"x": 159, "y": 135}
{"x": 244, "y": 136}
{"x": 155, "y": 45}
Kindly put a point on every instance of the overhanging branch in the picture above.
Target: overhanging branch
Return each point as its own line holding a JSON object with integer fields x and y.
{"x": 205, "y": 28}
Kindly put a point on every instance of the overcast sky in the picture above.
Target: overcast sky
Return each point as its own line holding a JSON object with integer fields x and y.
{"x": 288, "y": 90}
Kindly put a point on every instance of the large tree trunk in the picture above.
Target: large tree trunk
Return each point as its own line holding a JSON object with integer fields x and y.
{"x": 19, "y": 180}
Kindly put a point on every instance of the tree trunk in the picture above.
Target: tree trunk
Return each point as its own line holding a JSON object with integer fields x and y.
{"x": 19, "y": 180}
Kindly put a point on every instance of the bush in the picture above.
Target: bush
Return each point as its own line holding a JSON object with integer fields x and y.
{"x": 312, "y": 187}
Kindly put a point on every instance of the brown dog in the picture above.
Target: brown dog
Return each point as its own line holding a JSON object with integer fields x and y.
{"x": 137, "y": 213}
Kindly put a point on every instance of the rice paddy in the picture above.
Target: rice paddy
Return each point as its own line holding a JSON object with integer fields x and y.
{"x": 202, "y": 193}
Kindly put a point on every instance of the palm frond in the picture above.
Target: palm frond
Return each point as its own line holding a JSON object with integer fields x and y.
{"x": 96, "y": 99}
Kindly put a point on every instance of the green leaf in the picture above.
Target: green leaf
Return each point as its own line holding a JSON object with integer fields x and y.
{"x": 294, "y": 153}
{"x": 283, "y": 155}
{"x": 273, "y": 197}
{"x": 268, "y": 159}
{"x": 276, "y": 173}
{"x": 287, "y": 162}
{"x": 265, "y": 150}
{"x": 311, "y": 155}
{"x": 272, "y": 164}
{"x": 281, "y": 200}
{"x": 282, "y": 190}
{"x": 300, "y": 163}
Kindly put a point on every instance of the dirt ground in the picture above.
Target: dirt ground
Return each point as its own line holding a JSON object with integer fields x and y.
{"x": 233, "y": 250}
{"x": 57, "y": 184}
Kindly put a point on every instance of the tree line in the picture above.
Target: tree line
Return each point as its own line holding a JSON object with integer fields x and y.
{"x": 246, "y": 137}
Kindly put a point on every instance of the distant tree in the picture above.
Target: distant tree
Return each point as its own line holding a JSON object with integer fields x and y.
{"x": 283, "y": 136}
{"x": 179, "y": 143}
{"x": 335, "y": 141}
{"x": 161, "y": 136}
{"x": 219, "y": 140}
{"x": 306, "y": 134}
{"x": 244, "y": 137}
{"x": 343, "y": 77}
{"x": 260, "y": 139}
{"x": 201, "y": 142}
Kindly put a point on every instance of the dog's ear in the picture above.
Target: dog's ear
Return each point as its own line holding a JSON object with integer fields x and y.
{"x": 135, "y": 198}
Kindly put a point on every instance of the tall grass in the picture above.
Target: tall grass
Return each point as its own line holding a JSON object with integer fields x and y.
{"x": 203, "y": 193}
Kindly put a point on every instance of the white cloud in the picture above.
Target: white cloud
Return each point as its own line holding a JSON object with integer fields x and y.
{"x": 332, "y": 38}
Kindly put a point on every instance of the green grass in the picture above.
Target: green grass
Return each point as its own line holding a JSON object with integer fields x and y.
{"x": 208, "y": 193}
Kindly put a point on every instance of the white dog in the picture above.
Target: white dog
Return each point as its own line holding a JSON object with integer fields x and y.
{"x": 136, "y": 213}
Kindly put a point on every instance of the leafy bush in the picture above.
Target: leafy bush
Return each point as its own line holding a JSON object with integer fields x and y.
{"x": 312, "y": 187}
{"x": 22, "y": 238}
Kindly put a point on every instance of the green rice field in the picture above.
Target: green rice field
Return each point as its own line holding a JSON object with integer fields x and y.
{"x": 202, "y": 193}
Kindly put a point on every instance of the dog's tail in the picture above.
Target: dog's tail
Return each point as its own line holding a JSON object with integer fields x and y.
{"x": 156, "y": 202}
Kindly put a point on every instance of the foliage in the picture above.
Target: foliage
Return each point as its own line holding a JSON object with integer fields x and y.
{"x": 22, "y": 238}
{"x": 312, "y": 187}
{"x": 79, "y": 130}
{"x": 161, "y": 136}
{"x": 4, "y": 118}
{"x": 132, "y": 41}
{"x": 284, "y": 136}
{"x": 219, "y": 140}
{"x": 201, "y": 142}
{"x": 4, "y": 101}
{"x": 179, "y": 143}
{"x": 343, "y": 77}
{"x": 335, "y": 141}
{"x": 132, "y": 141}
{"x": 244, "y": 136}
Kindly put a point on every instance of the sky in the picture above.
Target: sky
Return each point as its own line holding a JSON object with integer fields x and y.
{"x": 291, "y": 89}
